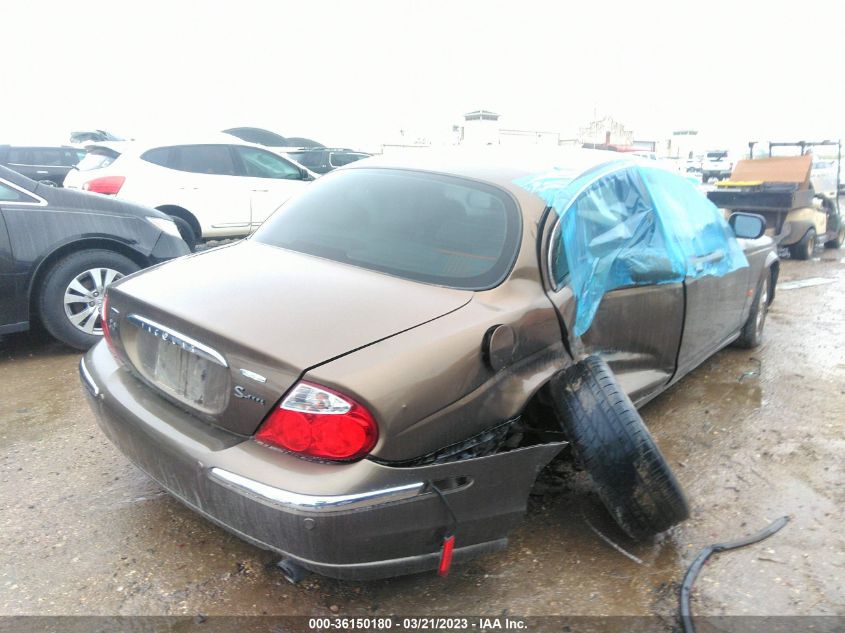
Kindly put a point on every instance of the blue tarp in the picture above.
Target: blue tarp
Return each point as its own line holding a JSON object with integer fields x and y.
{"x": 626, "y": 224}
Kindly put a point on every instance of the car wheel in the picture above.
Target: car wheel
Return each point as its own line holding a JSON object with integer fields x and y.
{"x": 751, "y": 334}
{"x": 837, "y": 241}
{"x": 804, "y": 248}
{"x": 609, "y": 438}
{"x": 72, "y": 293}
{"x": 187, "y": 233}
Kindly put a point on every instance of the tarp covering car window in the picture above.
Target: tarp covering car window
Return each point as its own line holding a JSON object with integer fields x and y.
{"x": 632, "y": 225}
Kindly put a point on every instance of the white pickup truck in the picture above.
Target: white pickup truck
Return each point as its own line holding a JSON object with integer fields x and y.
{"x": 717, "y": 163}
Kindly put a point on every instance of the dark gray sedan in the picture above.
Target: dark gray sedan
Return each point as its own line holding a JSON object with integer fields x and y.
{"x": 60, "y": 249}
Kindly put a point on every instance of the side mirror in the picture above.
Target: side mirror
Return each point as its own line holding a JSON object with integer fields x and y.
{"x": 306, "y": 175}
{"x": 748, "y": 226}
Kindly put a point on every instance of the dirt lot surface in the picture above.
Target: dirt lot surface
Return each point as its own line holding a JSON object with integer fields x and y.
{"x": 752, "y": 435}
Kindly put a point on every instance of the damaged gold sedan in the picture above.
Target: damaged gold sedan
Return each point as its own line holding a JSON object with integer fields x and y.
{"x": 370, "y": 384}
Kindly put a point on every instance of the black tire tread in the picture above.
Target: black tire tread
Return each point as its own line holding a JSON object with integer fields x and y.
{"x": 799, "y": 249}
{"x": 749, "y": 337}
{"x": 629, "y": 472}
{"x": 837, "y": 241}
{"x": 187, "y": 233}
{"x": 52, "y": 313}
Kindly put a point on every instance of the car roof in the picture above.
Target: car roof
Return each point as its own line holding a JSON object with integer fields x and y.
{"x": 138, "y": 147}
{"x": 495, "y": 165}
{"x": 304, "y": 150}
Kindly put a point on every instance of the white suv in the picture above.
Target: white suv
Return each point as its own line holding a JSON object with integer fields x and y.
{"x": 211, "y": 189}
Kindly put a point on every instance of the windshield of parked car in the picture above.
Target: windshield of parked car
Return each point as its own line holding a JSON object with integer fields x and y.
{"x": 424, "y": 227}
{"x": 818, "y": 165}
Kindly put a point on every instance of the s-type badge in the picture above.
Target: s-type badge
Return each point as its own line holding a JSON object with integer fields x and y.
{"x": 242, "y": 393}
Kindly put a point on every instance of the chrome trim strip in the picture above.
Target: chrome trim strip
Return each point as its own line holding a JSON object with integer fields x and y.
{"x": 176, "y": 338}
{"x": 317, "y": 503}
{"x": 88, "y": 379}
{"x": 247, "y": 373}
{"x": 550, "y": 252}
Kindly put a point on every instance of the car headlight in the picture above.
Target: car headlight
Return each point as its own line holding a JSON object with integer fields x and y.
{"x": 165, "y": 225}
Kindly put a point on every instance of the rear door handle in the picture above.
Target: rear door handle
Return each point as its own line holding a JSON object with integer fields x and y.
{"x": 260, "y": 191}
{"x": 42, "y": 171}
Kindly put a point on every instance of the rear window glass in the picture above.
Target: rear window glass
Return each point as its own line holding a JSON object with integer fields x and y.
{"x": 309, "y": 159}
{"x": 96, "y": 159}
{"x": 435, "y": 229}
{"x": 340, "y": 159}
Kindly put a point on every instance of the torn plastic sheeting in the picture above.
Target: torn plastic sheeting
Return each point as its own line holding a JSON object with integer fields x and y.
{"x": 624, "y": 224}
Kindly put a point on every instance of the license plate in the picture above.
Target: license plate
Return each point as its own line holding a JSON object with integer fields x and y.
{"x": 181, "y": 373}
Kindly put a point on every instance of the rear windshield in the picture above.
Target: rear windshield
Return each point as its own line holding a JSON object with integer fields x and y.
{"x": 97, "y": 159}
{"x": 425, "y": 227}
{"x": 339, "y": 159}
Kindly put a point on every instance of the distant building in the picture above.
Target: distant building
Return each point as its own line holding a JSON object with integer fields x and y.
{"x": 481, "y": 127}
{"x": 684, "y": 144}
{"x": 605, "y": 131}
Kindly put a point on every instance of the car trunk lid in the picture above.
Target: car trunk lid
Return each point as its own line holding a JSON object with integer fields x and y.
{"x": 227, "y": 332}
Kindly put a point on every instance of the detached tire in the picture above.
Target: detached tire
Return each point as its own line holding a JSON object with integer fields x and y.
{"x": 629, "y": 472}
{"x": 71, "y": 294}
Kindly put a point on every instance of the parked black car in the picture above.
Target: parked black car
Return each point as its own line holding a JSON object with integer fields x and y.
{"x": 324, "y": 159}
{"x": 41, "y": 163}
{"x": 60, "y": 248}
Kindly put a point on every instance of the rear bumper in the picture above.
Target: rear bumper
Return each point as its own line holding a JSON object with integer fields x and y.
{"x": 358, "y": 521}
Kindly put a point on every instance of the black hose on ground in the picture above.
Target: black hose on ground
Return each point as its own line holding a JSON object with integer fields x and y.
{"x": 704, "y": 554}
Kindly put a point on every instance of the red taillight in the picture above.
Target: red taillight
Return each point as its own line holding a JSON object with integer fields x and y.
{"x": 319, "y": 422}
{"x": 104, "y": 320}
{"x": 108, "y": 185}
{"x": 107, "y": 321}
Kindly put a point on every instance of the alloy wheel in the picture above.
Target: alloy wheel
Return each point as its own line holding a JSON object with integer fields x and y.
{"x": 83, "y": 299}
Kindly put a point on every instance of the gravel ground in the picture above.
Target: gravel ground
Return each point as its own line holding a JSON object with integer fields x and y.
{"x": 752, "y": 435}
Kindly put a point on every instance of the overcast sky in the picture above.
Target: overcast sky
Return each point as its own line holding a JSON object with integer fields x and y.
{"x": 356, "y": 72}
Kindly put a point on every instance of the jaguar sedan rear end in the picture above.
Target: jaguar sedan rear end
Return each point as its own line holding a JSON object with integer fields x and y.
{"x": 344, "y": 387}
